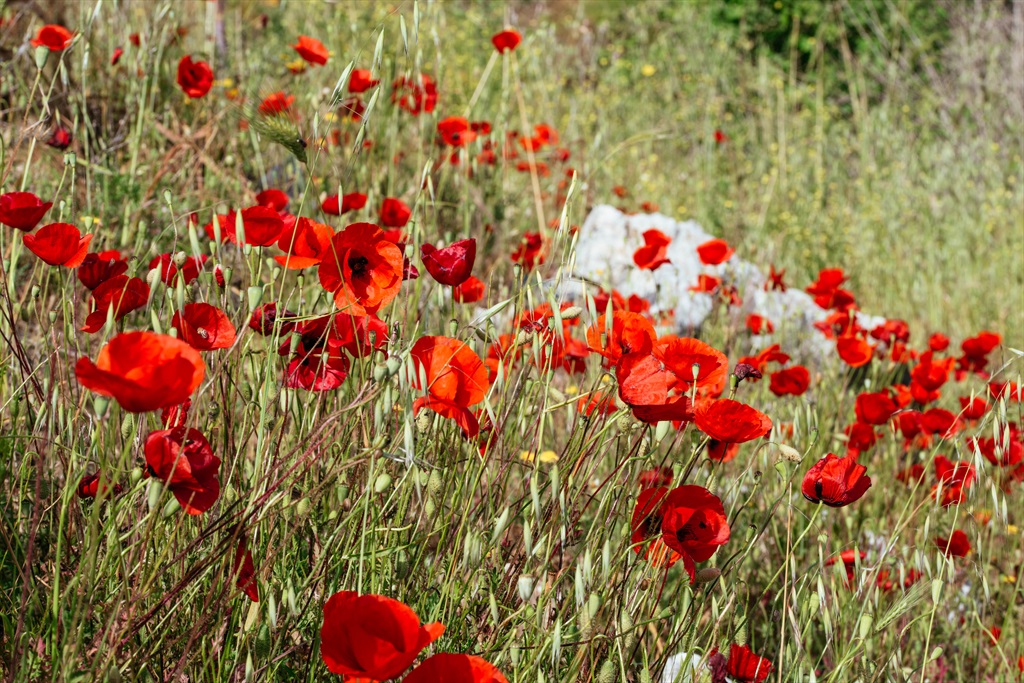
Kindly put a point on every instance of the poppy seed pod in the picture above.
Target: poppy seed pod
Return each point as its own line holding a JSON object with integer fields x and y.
{"x": 707, "y": 575}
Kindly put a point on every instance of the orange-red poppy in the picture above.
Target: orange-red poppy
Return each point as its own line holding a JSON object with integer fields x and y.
{"x": 120, "y": 295}
{"x": 653, "y": 254}
{"x": 728, "y": 420}
{"x": 59, "y": 244}
{"x": 312, "y": 50}
{"x": 456, "y": 380}
{"x": 194, "y": 78}
{"x": 22, "y": 210}
{"x": 143, "y": 371}
{"x": 54, "y": 37}
{"x": 184, "y": 461}
{"x": 204, "y": 327}
{"x": 306, "y": 243}
{"x": 362, "y": 269}
{"x": 446, "y": 667}
{"x": 714, "y": 252}
{"x": 507, "y": 40}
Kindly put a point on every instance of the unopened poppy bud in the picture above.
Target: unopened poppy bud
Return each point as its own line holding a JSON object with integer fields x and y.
{"x": 453, "y": 328}
{"x": 789, "y": 453}
{"x": 41, "y": 54}
{"x": 255, "y": 297}
{"x": 152, "y": 278}
{"x": 745, "y": 371}
{"x": 35, "y": 291}
{"x": 524, "y": 337}
{"x": 179, "y": 259}
{"x": 218, "y": 276}
{"x": 394, "y": 365}
{"x": 707, "y": 575}
{"x": 572, "y": 313}
{"x": 380, "y": 372}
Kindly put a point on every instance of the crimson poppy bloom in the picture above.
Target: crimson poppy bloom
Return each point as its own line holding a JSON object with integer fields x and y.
{"x": 530, "y": 252}
{"x": 98, "y": 268}
{"x": 774, "y": 282}
{"x": 244, "y": 570}
{"x": 507, "y": 40}
{"x": 361, "y": 80}
{"x": 455, "y": 668}
{"x": 746, "y": 667}
{"x": 728, "y": 420}
{"x": 706, "y": 284}
{"x": 143, "y": 371}
{"x": 451, "y": 265}
{"x": 955, "y": 478}
{"x": 875, "y": 408}
{"x": 204, "y": 327}
{"x": 305, "y": 242}
{"x": 318, "y": 363}
{"x": 262, "y": 225}
{"x": 854, "y": 350}
{"x": 792, "y": 381}
{"x": 92, "y": 485}
{"x": 60, "y": 138}
{"x": 266, "y": 316}
{"x": 194, "y": 78}
{"x": 22, "y": 210}
{"x": 653, "y": 254}
{"x": 353, "y": 201}
{"x": 415, "y": 95}
{"x": 940, "y": 421}
{"x": 184, "y": 461}
{"x": 655, "y": 477}
{"x": 470, "y": 291}
{"x": 189, "y": 269}
{"x": 860, "y": 437}
{"x": 54, "y": 37}
{"x": 59, "y": 244}
{"x": 722, "y": 451}
{"x": 629, "y": 333}
{"x": 362, "y": 269}
{"x": 456, "y": 131}
{"x": 394, "y": 213}
{"x": 120, "y": 293}
{"x": 720, "y": 137}
{"x": 646, "y": 525}
{"x": 311, "y": 50}
{"x": 372, "y": 637}
{"x": 116, "y": 56}
{"x": 693, "y": 524}
{"x": 957, "y": 545}
{"x": 758, "y": 324}
{"x": 714, "y": 252}
{"x": 456, "y": 380}
{"x": 835, "y": 481}
{"x": 274, "y": 198}
{"x": 276, "y": 103}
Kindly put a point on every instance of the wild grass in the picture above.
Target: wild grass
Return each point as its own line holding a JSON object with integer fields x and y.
{"x": 910, "y": 180}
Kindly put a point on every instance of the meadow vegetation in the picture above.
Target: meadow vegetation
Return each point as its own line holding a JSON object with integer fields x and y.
{"x": 290, "y": 380}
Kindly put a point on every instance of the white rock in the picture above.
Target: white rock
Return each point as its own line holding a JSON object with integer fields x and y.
{"x": 604, "y": 254}
{"x": 682, "y": 668}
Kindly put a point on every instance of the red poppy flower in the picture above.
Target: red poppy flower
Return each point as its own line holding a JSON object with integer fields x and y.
{"x": 319, "y": 362}
{"x": 758, "y": 324}
{"x": 470, "y": 291}
{"x": 940, "y": 421}
{"x": 456, "y": 380}
{"x": 189, "y": 270}
{"x": 415, "y": 96}
{"x": 394, "y": 213}
{"x": 60, "y": 138}
{"x": 775, "y": 282}
{"x": 507, "y": 40}
{"x": 732, "y": 421}
{"x": 455, "y": 668}
{"x": 143, "y": 371}
{"x": 455, "y": 131}
{"x": 305, "y": 243}
{"x": 120, "y": 293}
{"x": 274, "y": 198}
{"x": 955, "y": 478}
{"x": 720, "y": 137}
{"x": 646, "y": 535}
{"x": 59, "y": 244}
{"x": 792, "y": 381}
{"x": 184, "y": 461}
{"x": 312, "y": 50}
{"x": 362, "y": 269}
{"x": 204, "y": 327}
{"x": 770, "y": 354}
{"x": 957, "y": 545}
{"x": 92, "y": 485}
{"x": 195, "y": 78}
{"x": 714, "y": 252}
{"x": 655, "y": 477}
{"x": 244, "y": 570}
{"x": 747, "y": 667}
{"x": 372, "y": 637}
{"x": 629, "y": 333}
{"x": 860, "y": 437}
{"x": 98, "y": 268}
{"x": 976, "y": 351}
{"x": 938, "y": 342}
{"x": 835, "y": 481}
{"x": 1011, "y": 391}
{"x": 693, "y": 524}
{"x": 276, "y": 103}
{"x": 530, "y": 252}
{"x": 875, "y": 408}
{"x": 451, "y": 265}
{"x": 22, "y": 210}
{"x": 116, "y": 56}
{"x": 652, "y": 255}
{"x": 854, "y": 351}
{"x": 262, "y": 225}
{"x": 353, "y": 201}
{"x": 706, "y": 284}
{"x": 361, "y": 80}
{"x": 54, "y": 37}
{"x": 266, "y": 316}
